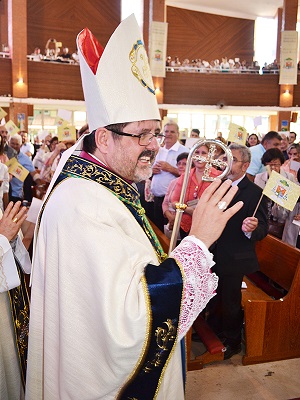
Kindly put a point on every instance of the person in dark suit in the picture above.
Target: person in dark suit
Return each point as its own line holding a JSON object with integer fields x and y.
{"x": 234, "y": 253}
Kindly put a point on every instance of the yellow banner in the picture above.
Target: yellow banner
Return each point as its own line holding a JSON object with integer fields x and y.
{"x": 60, "y": 122}
{"x": 16, "y": 169}
{"x": 67, "y": 133}
{"x": 282, "y": 191}
{"x": 237, "y": 134}
{"x": 2, "y": 113}
{"x": 11, "y": 127}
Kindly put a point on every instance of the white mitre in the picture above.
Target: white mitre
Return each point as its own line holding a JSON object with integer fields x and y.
{"x": 117, "y": 81}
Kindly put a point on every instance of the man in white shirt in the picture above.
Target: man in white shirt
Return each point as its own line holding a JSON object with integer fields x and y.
{"x": 165, "y": 170}
{"x": 27, "y": 147}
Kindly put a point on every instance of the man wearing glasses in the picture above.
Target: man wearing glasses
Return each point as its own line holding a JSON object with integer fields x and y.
{"x": 165, "y": 170}
{"x": 108, "y": 307}
{"x": 234, "y": 253}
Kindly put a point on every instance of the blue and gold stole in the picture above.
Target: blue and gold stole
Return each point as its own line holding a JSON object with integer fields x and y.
{"x": 164, "y": 285}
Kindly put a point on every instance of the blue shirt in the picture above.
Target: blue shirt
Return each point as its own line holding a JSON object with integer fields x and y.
{"x": 256, "y": 166}
{"x": 15, "y": 183}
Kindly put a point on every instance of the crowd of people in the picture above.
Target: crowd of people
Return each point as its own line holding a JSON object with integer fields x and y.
{"x": 40, "y": 159}
{"x": 264, "y": 158}
{"x": 107, "y": 303}
{"x": 54, "y": 54}
{"x": 234, "y": 65}
{"x": 252, "y": 166}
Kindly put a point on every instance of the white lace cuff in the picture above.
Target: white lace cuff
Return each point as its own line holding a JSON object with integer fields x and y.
{"x": 199, "y": 282}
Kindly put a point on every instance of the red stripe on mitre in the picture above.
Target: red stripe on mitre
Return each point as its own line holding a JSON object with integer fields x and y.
{"x": 90, "y": 48}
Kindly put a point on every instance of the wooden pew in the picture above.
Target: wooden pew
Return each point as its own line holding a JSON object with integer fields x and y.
{"x": 272, "y": 327}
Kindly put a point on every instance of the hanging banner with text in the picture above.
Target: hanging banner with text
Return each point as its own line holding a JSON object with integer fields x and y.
{"x": 158, "y": 48}
{"x": 288, "y": 58}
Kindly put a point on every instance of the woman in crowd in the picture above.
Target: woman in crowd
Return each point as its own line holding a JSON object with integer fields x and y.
{"x": 195, "y": 188}
{"x": 252, "y": 140}
{"x": 167, "y": 206}
{"x": 294, "y": 155}
{"x": 273, "y": 159}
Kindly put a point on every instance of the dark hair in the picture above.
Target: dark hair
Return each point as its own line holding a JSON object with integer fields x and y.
{"x": 272, "y": 154}
{"x": 196, "y": 131}
{"x": 294, "y": 133}
{"x": 83, "y": 129}
{"x": 271, "y": 135}
{"x": 182, "y": 156}
{"x": 253, "y": 134}
{"x": 1, "y": 145}
{"x": 55, "y": 138}
{"x": 89, "y": 143}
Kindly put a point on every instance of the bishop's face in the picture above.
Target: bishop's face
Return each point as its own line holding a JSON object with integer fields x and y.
{"x": 128, "y": 158}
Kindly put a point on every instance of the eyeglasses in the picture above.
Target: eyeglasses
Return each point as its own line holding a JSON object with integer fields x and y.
{"x": 3, "y": 132}
{"x": 233, "y": 160}
{"x": 236, "y": 161}
{"x": 274, "y": 165}
{"x": 144, "y": 138}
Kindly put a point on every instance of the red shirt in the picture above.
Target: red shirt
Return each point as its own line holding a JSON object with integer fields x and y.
{"x": 194, "y": 191}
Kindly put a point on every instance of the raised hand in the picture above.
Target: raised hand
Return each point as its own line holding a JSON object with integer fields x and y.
{"x": 13, "y": 217}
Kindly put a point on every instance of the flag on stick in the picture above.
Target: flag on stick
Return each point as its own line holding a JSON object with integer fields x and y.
{"x": 16, "y": 169}
{"x": 237, "y": 134}
{"x": 282, "y": 191}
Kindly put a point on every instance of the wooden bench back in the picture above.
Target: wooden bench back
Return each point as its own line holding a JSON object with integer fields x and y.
{"x": 278, "y": 260}
{"x": 164, "y": 241}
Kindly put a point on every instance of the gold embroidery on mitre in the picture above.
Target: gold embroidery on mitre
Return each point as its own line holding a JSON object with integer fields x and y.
{"x": 140, "y": 66}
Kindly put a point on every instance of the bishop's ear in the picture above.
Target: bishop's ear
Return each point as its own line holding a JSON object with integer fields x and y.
{"x": 102, "y": 138}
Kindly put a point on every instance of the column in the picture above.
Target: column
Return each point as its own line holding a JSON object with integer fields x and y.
{"x": 289, "y": 21}
{"x": 17, "y": 42}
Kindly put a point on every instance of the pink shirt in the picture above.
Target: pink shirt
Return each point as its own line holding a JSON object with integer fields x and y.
{"x": 193, "y": 192}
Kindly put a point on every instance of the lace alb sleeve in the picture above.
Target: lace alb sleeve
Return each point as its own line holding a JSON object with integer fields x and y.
{"x": 199, "y": 282}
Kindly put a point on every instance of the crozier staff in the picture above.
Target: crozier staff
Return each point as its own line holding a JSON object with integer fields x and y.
{"x": 109, "y": 308}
